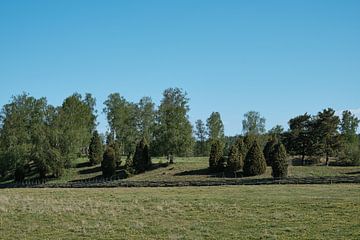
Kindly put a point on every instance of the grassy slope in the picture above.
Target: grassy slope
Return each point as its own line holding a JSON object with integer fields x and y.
{"x": 194, "y": 168}
{"x": 233, "y": 212}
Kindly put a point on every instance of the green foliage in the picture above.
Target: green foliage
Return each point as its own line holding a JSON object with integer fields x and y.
{"x": 234, "y": 161}
{"x": 95, "y": 149}
{"x": 215, "y": 128}
{"x": 248, "y": 143}
{"x": 173, "y": 134}
{"x": 141, "y": 160}
{"x": 108, "y": 165}
{"x": 241, "y": 147}
{"x": 122, "y": 117}
{"x": 253, "y": 123}
{"x": 326, "y": 131}
{"x": 146, "y": 118}
{"x": 215, "y": 159}
{"x": 279, "y": 161}
{"x": 76, "y": 121}
{"x": 350, "y": 155}
{"x": 254, "y": 163}
{"x": 348, "y": 126}
{"x": 269, "y": 148}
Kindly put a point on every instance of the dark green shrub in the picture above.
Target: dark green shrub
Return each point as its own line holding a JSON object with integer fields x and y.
{"x": 19, "y": 174}
{"x": 241, "y": 148}
{"x": 141, "y": 159}
{"x": 249, "y": 140}
{"x": 108, "y": 164}
{"x": 215, "y": 156}
{"x": 268, "y": 149}
{"x": 95, "y": 149}
{"x": 234, "y": 161}
{"x": 254, "y": 163}
{"x": 279, "y": 161}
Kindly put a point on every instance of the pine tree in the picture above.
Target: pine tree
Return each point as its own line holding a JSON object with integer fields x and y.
{"x": 269, "y": 147}
{"x": 215, "y": 156}
{"x": 108, "y": 164}
{"x": 254, "y": 163}
{"x": 234, "y": 161}
{"x": 141, "y": 159}
{"x": 95, "y": 149}
{"x": 279, "y": 161}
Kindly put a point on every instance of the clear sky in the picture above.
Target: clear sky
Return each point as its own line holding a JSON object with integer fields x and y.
{"x": 281, "y": 58}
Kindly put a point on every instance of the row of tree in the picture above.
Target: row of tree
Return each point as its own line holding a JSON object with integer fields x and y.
{"x": 36, "y": 136}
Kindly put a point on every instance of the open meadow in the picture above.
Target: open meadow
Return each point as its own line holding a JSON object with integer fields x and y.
{"x": 231, "y": 212}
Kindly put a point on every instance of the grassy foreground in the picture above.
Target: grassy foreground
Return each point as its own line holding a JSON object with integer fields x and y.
{"x": 233, "y": 212}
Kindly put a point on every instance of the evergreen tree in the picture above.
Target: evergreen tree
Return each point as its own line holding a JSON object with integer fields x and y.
{"x": 141, "y": 160}
{"x": 279, "y": 161}
{"x": 215, "y": 156}
{"x": 269, "y": 147}
{"x": 108, "y": 164}
{"x": 254, "y": 163}
{"x": 95, "y": 149}
{"x": 248, "y": 142}
{"x": 234, "y": 161}
{"x": 241, "y": 148}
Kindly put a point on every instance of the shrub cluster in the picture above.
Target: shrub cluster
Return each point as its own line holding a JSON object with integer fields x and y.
{"x": 141, "y": 160}
{"x": 108, "y": 164}
{"x": 254, "y": 163}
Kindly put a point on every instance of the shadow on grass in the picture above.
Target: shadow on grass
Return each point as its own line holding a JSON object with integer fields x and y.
{"x": 90, "y": 170}
{"x": 83, "y": 164}
{"x": 353, "y": 173}
{"x": 205, "y": 171}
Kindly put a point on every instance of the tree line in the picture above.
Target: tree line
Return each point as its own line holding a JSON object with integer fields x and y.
{"x": 38, "y": 137}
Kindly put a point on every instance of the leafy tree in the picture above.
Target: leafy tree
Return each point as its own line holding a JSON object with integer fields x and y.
{"x": 95, "y": 149}
{"x": 141, "y": 160}
{"x": 326, "y": 127}
{"x": 348, "y": 127}
{"x": 173, "y": 133}
{"x": 269, "y": 148}
{"x": 122, "y": 117}
{"x": 253, "y": 123}
{"x": 234, "y": 161}
{"x": 279, "y": 161}
{"x": 146, "y": 118}
{"x": 76, "y": 121}
{"x": 254, "y": 163}
{"x": 200, "y": 132}
{"x": 108, "y": 164}
{"x": 216, "y": 153}
{"x": 215, "y": 128}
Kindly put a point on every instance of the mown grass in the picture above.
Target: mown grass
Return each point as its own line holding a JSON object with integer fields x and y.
{"x": 232, "y": 212}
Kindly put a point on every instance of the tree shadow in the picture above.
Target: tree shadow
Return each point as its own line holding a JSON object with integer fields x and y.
{"x": 353, "y": 173}
{"x": 90, "y": 170}
{"x": 203, "y": 171}
{"x": 83, "y": 164}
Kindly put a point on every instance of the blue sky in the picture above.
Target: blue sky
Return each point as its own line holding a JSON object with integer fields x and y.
{"x": 281, "y": 58}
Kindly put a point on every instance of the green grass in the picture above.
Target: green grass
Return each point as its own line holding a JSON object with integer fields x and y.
{"x": 194, "y": 168}
{"x": 232, "y": 212}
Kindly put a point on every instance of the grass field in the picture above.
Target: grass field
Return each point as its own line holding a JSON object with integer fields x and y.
{"x": 193, "y": 168}
{"x": 233, "y": 212}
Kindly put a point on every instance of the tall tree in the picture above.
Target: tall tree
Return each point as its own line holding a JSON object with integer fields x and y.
{"x": 146, "y": 118}
{"x": 200, "y": 133}
{"x": 122, "y": 119}
{"x": 279, "y": 162}
{"x": 327, "y": 124}
{"x": 173, "y": 128}
{"x": 348, "y": 127}
{"x": 215, "y": 127}
{"x": 299, "y": 136}
{"x": 253, "y": 123}
{"x": 76, "y": 121}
